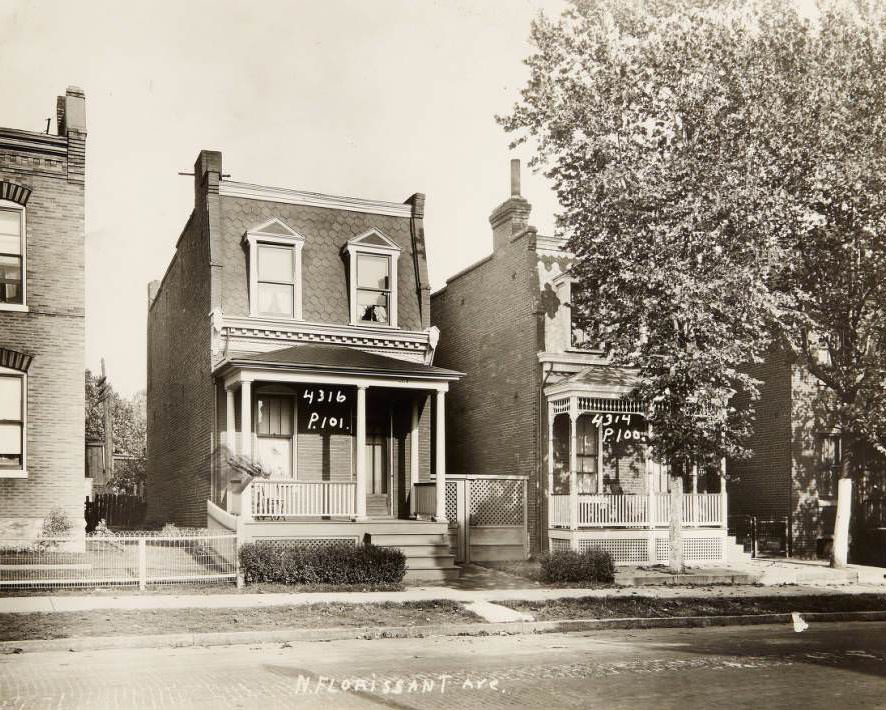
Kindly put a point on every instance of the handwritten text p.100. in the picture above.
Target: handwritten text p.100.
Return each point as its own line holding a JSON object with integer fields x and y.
{"x": 617, "y": 427}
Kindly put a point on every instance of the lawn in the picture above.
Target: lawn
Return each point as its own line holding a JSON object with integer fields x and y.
{"x": 651, "y": 607}
{"x": 531, "y": 569}
{"x": 139, "y": 622}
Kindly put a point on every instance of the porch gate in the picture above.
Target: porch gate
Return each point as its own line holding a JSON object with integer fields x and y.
{"x": 487, "y": 517}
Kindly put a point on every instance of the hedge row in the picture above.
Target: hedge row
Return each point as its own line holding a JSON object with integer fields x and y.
{"x": 592, "y": 565}
{"x": 340, "y": 563}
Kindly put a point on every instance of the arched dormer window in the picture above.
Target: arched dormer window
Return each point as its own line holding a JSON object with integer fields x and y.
{"x": 373, "y": 279}
{"x": 275, "y": 283}
{"x": 13, "y": 413}
{"x": 13, "y": 252}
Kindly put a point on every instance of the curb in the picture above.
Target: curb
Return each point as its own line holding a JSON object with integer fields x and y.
{"x": 230, "y": 638}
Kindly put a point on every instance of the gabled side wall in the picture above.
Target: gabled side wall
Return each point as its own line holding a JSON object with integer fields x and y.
{"x": 489, "y": 329}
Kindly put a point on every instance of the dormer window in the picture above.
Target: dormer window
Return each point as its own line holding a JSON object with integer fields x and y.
{"x": 373, "y": 279}
{"x": 275, "y": 271}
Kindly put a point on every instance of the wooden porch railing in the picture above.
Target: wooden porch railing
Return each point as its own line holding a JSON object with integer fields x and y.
{"x": 632, "y": 511}
{"x": 302, "y": 499}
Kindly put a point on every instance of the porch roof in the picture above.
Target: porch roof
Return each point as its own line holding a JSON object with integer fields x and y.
{"x": 597, "y": 380}
{"x": 340, "y": 359}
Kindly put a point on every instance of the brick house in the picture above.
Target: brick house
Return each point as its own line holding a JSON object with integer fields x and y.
{"x": 537, "y": 402}
{"x": 42, "y": 322}
{"x": 789, "y": 484}
{"x": 292, "y": 330}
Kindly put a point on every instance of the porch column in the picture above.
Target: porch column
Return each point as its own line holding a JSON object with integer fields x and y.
{"x": 573, "y": 466}
{"x": 246, "y": 418}
{"x": 693, "y": 511}
{"x": 650, "y": 498}
{"x": 724, "y": 508}
{"x": 600, "y": 456}
{"x": 413, "y": 457}
{"x": 361, "y": 453}
{"x": 550, "y": 464}
{"x": 230, "y": 422}
{"x": 440, "y": 517}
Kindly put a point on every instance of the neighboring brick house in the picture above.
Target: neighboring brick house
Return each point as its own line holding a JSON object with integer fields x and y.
{"x": 789, "y": 484}
{"x": 537, "y": 402}
{"x": 292, "y": 330}
{"x": 42, "y": 322}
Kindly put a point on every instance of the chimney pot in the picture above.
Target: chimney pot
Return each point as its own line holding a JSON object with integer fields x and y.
{"x": 515, "y": 177}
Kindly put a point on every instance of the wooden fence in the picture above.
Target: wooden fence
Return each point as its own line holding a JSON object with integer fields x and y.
{"x": 121, "y": 511}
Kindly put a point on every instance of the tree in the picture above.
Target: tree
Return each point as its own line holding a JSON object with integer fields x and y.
{"x": 638, "y": 111}
{"x": 130, "y": 433}
{"x": 719, "y": 168}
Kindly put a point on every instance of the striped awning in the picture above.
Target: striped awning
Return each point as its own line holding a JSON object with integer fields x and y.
{"x": 15, "y": 360}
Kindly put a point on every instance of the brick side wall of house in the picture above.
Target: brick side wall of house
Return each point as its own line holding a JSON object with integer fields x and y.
{"x": 489, "y": 323}
{"x": 761, "y": 485}
{"x": 53, "y": 331}
{"x": 181, "y": 395}
{"x": 325, "y": 295}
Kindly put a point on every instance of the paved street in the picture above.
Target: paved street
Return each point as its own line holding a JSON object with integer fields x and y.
{"x": 830, "y": 665}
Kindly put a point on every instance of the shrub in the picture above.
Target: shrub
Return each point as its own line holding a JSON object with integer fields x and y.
{"x": 272, "y": 561}
{"x": 56, "y": 524}
{"x": 568, "y": 566}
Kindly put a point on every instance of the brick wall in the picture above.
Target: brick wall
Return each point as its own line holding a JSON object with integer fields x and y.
{"x": 53, "y": 331}
{"x": 181, "y": 394}
{"x": 490, "y": 330}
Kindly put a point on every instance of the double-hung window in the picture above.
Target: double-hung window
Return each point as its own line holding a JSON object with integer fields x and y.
{"x": 12, "y": 422}
{"x": 829, "y": 465}
{"x": 12, "y": 255}
{"x": 275, "y": 289}
{"x": 373, "y": 279}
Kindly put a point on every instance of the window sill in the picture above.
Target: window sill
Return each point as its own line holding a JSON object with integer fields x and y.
{"x": 373, "y": 324}
{"x": 14, "y": 307}
{"x": 827, "y": 502}
{"x": 6, "y": 473}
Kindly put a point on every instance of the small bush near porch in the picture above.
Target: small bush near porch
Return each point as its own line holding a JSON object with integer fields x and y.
{"x": 568, "y": 566}
{"x": 339, "y": 564}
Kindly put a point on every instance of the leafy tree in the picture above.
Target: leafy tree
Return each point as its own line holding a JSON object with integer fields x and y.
{"x": 719, "y": 168}
{"x": 130, "y": 433}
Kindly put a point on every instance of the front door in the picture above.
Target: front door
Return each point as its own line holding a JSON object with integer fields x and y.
{"x": 378, "y": 468}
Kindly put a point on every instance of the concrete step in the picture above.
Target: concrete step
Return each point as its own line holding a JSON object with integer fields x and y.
{"x": 422, "y": 550}
{"x": 430, "y": 562}
{"x": 407, "y": 539}
{"x": 432, "y": 575}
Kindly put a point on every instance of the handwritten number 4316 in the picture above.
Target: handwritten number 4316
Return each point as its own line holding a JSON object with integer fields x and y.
{"x": 322, "y": 396}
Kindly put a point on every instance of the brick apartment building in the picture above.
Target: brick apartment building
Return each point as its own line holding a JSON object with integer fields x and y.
{"x": 292, "y": 330}
{"x": 42, "y": 321}
{"x": 790, "y": 482}
{"x": 538, "y": 402}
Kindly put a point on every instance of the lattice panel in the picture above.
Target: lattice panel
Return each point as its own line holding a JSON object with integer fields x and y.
{"x": 558, "y": 544}
{"x": 695, "y": 549}
{"x": 452, "y": 503}
{"x": 600, "y": 404}
{"x": 561, "y": 406}
{"x": 628, "y": 550}
{"x": 496, "y": 502}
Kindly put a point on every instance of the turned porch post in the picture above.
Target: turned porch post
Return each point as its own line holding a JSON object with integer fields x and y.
{"x": 246, "y": 418}
{"x": 724, "y": 508}
{"x": 573, "y": 466}
{"x": 440, "y": 517}
{"x": 360, "y": 488}
{"x": 550, "y": 464}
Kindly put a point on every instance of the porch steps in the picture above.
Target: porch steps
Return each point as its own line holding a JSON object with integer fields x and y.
{"x": 427, "y": 553}
{"x": 735, "y": 553}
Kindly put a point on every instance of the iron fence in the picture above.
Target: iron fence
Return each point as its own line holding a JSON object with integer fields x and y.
{"x": 130, "y": 559}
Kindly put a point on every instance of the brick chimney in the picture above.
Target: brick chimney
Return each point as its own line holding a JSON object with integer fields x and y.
{"x": 70, "y": 118}
{"x": 207, "y": 174}
{"x": 512, "y": 216}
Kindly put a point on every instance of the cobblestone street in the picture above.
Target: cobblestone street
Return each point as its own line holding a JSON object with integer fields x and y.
{"x": 830, "y": 665}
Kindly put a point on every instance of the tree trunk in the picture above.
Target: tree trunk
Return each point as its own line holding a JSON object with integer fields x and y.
{"x": 675, "y": 530}
{"x": 840, "y": 547}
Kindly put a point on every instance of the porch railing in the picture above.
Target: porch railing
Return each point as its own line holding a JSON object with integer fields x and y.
{"x": 302, "y": 499}
{"x": 425, "y": 498}
{"x": 632, "y": 511}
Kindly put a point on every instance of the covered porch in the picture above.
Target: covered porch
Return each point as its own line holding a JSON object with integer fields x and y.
{"x": 606, "y": 490}
{"x": 335, "y": 434}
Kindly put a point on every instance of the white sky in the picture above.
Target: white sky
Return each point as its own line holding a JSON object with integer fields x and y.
{"x": 376, "y": 99}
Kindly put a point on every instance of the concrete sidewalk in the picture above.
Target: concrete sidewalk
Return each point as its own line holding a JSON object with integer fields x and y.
{"x": 50, "y": 604}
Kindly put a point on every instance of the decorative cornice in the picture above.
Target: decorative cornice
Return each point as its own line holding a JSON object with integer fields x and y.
{"x": 228, "y": 188}
{"x": 28, "y": 142}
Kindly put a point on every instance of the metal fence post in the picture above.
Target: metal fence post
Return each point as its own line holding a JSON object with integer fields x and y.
{"x": 142, "y": 563}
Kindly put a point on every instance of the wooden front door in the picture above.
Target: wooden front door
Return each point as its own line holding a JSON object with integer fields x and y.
{"x": 378, "y": 465}
{"x": 274, "y": 434}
